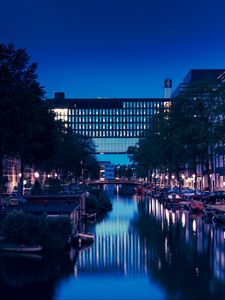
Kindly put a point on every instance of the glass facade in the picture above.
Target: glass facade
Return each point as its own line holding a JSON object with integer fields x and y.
{"x": 114, "y": 124}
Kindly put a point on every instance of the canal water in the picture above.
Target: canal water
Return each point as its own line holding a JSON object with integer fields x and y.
{"x": 141, "y": 251}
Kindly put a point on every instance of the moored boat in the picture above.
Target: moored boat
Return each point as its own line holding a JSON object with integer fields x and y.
{"x": 139, "y": 190}
{"x": 82, "y": 238}
{"x": 208, "y": 214}
{"x": 196, "y": 206}
{"x": 219, "y": 217}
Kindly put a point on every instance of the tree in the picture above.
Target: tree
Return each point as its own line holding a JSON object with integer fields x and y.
{"x": 74, "y": 156}
{"x": 27, "y": 127}
{"x": 201, "y": 107}
{"x": 189, "y": 133}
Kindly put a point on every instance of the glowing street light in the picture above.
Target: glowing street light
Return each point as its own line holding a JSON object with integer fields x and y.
{"x": 36, "y": 175}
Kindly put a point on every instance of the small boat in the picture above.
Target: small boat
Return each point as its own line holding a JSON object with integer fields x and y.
{"x": 184, "y": 205}
{"x": 82, "y": 238}
{"x": 139, "y": 190}
{"x": 219, "y": 217}
{"x": 208, "y": 214}
{"x": 196, "y": 206}
{"x": 174, "y": 197}
{"x": 19, "y": 248}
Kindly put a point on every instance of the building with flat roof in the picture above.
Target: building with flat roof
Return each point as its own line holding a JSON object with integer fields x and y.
{"x": 114, "y": 124}
{"x": 197, "y": 75}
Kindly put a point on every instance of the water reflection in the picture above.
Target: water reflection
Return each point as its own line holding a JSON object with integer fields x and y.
{"x": 176, "y": 250}
{"x": 29, "y": 276}
{"x": 184, "y": 254}
{"x": 141, "y": 251}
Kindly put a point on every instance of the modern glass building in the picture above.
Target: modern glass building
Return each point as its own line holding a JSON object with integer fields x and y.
{"x": 200, "y": 75}
{"x": 113, "y": 124}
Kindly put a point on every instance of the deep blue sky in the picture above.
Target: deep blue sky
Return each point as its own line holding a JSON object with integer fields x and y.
{"x": 115, "y": 48}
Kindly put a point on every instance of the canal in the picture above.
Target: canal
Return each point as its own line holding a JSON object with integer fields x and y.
{"x": 141, "y": 251}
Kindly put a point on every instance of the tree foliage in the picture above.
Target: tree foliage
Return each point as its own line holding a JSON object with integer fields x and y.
{"x": 27, "y": 127}
{"x": 74, "y": 156}
{"x": 187, "y": 134}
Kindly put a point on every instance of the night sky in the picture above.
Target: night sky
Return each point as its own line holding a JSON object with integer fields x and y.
{"x": 115, "y": 48}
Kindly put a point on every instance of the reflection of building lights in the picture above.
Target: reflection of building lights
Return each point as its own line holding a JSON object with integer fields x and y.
{"x": 75, "y": 271}
{"x": 48, "y": 175}
{"x": 159, "y": 264}
{"x": 211, "y": 234}
{"x": 224, "y": 235}
{"x": 166, "y": 246}
{"x": 161, "y": 207}
{"x": 173, "y": 217}
{"x": 183, "y": 219}
{"x": 56, "y": 174}
{"x": 157, "y": 207}
{"x": 167, "y": 216}
{"x": 194, "y": 226}
{"x": 36, "y": 175}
